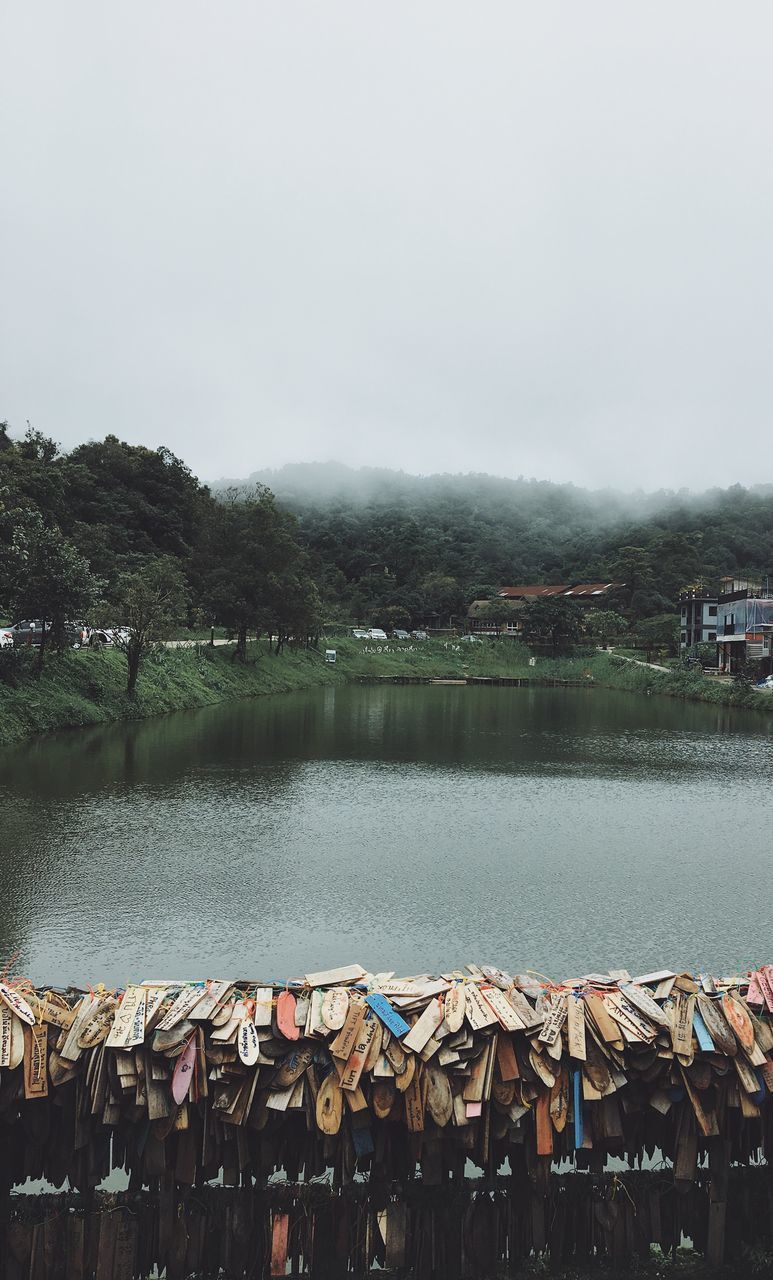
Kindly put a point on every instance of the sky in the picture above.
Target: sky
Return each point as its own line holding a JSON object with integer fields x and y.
{"x": 516, "y": 237}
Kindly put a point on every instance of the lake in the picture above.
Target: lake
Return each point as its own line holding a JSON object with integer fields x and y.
{"x": 406, "y": 828}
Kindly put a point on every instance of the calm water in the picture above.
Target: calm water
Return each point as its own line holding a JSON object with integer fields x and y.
{"x": 404, "y": 828}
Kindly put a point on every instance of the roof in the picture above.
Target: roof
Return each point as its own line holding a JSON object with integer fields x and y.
{"x": 581, "y": 590}
{"x": 518, "y": 592}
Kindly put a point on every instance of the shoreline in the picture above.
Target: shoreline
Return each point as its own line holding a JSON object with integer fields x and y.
{"x": 86, "y": 688}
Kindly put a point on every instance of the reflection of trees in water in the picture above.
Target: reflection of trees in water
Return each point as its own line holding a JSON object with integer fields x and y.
{"x": 173, "y": 815}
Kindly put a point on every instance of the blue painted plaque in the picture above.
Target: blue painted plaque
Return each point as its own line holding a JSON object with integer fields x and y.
{"x": 389, "y": 1016}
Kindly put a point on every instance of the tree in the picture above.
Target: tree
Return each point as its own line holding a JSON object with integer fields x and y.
{"x": 604, "y": 624}
{"x": 556, "y": 622}
{"x": 296, "y": 608}
{"x": 660, "y": 632}
{"x": 151, "y": 601}
{"x": 390, "y": 617}
{"x": 49, "y": 580}
{"x": 441, "y": 595}
{"x": 250, "y": 568}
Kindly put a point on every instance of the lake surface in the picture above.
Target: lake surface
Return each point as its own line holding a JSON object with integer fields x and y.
{"x": 406, "y": 828}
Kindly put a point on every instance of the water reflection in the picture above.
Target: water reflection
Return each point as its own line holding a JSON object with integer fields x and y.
{"x": 416, "y": 827}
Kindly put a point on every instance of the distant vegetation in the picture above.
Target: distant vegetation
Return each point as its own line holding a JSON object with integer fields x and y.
{"x": 128, "y": 535}
{"x": 120, "y": 534}
{"x": 416, "y": 546}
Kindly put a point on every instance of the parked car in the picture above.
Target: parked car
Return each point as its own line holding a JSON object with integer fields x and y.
{"x": 6, "y": 637}
{"x": 419, "y": 635}
{"x": 30, "y": 631}
{"x": 401, "y": 635}
{"x": 101, "y": 636}
{"x": 376, "y": 633}
{"x": 767, "y": 683}
{"x": 471, "y": 639}
{"x": 360, "y": 633}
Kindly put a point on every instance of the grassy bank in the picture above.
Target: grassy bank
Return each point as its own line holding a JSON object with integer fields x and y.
{"x": 85, "y": 687}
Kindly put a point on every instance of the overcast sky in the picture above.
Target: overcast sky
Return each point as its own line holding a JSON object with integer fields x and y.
{"x": 526, "y": 238}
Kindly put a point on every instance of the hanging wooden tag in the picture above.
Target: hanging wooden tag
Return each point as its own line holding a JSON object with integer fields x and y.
{"x": 56, "y": 1014}
{"x": 330, "y": 1104}
{"x": 681, "y": 1032}
{"x": 389, "y": 1016}
{"x": 15, "y": 1002}
{"x": 350, "y": 1077}
{"x": 96, "y": 1029}
{"x": 215, "y": 992}
{"x": 344, "y": 1042}
{"x": 17, "y": 1042}
{"x": 440, "y": 1102}
{"x": 529, "y": 1016}
{"x": 128, "y": 1029}
{"x": 35, "y": 1061}
{"x": 478, "y": 1013}
{"x": 717, "y": 1026}
{"x": 739, "y": 1021}
{"x": 183, "y": 1072}
{"x": 502, "y": 1007}
{"x": 414, "y": 1106}
{"x": 185, "y": 1003}
{"x": 454, "y": 1008}
{"x": 293, "y": 1067}
{"x": 559, "y": 1101}
{"x": 506, "y": 1059}
{"x": 247, "y": 1042}
{"x": 285, "y": 1016}
{"x": 334, "y": 977}
{"x": 575, "y": 1028}
{"x": 421, "y": 1031}
{"x": 554, "y": 1021}
{"x": 543, "y": 1124}
{"x": 643, "y": 1001}
{"x": 335, "y": 1006}
{"x": 6, "y": 1019}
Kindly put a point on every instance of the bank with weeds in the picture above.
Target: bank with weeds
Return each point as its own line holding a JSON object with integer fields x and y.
{"x": 86, "y": 687}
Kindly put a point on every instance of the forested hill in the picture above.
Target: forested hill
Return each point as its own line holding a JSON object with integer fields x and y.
{"x": 479, "y": 532}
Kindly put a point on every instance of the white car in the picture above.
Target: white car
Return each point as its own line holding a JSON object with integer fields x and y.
{"x": 471, "y": 639}
{"x": 6, "y": 638}
{"x": 360, "y": 633}
{"x": 376, "y": 633}
{"x": 108, "y": 636}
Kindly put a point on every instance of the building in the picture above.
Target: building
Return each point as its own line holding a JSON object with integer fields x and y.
{"x": 507, "y": 624}
{"x": 511, "y": 600}
{"x": 698, "y": 623}
{"x": 744, "y": 625}
{"x": 592, "y": 594}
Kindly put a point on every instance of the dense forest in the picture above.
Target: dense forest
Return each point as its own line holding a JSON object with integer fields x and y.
{"x": 111, "y": 529}
{"x": 432, "y": 544}
{"x": 120, "y": 534}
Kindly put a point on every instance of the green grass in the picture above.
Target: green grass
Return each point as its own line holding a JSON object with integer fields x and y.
{"x": 87, "y": 687}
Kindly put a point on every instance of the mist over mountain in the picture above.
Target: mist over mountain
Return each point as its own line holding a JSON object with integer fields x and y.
{"x": 381, "y": 538}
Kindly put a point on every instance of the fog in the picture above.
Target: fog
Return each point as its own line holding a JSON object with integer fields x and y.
{"x": 522, "y": 239}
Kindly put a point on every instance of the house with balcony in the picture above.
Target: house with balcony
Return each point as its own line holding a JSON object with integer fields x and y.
{"x": 744, "y": 625}
{"x": 698, "y": 608}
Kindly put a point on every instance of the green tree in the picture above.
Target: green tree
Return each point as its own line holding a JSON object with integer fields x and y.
{"x": 554, "y": 622}
{"x": 250, "y": 567}
{"x": 48, "y": 580}
{"x": 659, "y": 633}
{"x": 390, "y": 617}
{"x": 152, "y": 601}
{"x": 604, "y": 625}
{"x": 441, "y": 595}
